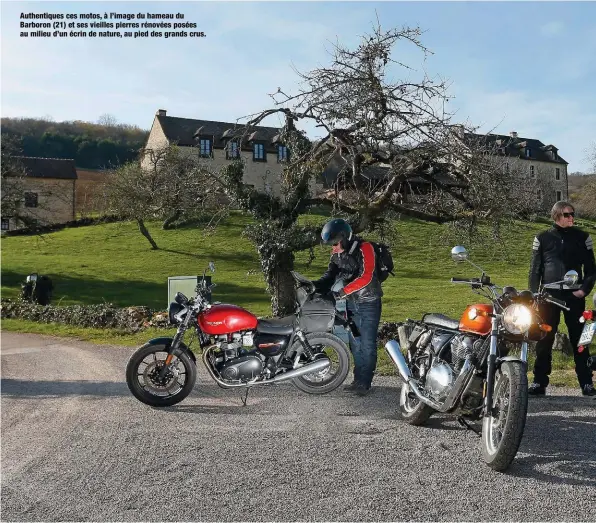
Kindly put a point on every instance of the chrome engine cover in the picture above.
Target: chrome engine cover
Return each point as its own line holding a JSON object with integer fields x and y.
{"x": 439, "y": 379}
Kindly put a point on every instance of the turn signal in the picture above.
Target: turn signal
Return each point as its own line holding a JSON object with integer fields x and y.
{"x": 544, "y": 327}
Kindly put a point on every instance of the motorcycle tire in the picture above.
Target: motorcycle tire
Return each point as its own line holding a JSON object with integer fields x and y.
{"x": 412, "y": 410}
{"x": 502, "y": 431}
{"x": 150, "y": 395}
{"x": 340, "y": 360}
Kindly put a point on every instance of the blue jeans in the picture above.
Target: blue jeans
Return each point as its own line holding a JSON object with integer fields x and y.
{"x": 366, "y": 316}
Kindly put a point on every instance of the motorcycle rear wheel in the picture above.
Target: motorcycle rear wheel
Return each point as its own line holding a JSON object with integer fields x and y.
{"x": 332, "y": 377}
{"x": 412, "y": 410}
{"x": 145, "y": 385}
{"x": 502, "y": 431}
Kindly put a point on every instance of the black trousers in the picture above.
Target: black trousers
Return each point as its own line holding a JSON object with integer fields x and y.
{"x": 551, "y": 314}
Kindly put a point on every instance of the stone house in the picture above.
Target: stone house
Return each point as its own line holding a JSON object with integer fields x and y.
{"x": 216, "y": 143}
{"x": 48, "y": 192}
{"x": 534, "y": 161}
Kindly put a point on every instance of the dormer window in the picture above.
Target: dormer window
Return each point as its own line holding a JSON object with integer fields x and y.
{"x": 528, "y": 152}
{"x": 232, "y": 150}
{"x": 205, "y": 147}
{"x": 282, "y": 153}
{"x": 258, "y": 153}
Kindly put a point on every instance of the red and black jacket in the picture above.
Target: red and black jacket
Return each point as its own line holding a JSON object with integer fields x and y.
{"x": 356, "y": 267}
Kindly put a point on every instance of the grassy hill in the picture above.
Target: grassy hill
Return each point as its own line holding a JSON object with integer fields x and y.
{"x": 113, "y": 263}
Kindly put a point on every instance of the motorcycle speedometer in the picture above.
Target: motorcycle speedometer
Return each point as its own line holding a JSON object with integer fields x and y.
{"x": 517, "y": 318}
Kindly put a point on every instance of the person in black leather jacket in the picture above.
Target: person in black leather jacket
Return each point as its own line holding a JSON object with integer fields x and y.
{"x": 554, "y": 252}
{"x": 353, "y": 261}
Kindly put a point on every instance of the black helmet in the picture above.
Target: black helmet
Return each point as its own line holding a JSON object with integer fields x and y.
{"x": 335, "y": 231}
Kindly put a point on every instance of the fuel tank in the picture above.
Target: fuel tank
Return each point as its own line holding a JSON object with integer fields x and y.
{"x": 476, "y": 319}
{"x": 226, "y": 319}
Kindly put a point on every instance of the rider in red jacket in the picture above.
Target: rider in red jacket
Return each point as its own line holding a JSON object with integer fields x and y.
{"x": 353, "y": 261}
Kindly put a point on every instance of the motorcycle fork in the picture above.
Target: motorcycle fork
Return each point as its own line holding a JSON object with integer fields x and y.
{"x": 491, "y": 366}
{"x": 173, "y": 346}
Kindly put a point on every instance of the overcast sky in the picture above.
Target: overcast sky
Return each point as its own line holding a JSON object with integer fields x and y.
{"x": 513, "y": 66}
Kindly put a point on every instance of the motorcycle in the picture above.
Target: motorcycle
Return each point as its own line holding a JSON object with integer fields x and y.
{"x": 588, "y": 332}
{"x": 239, "y": 350}
{"x": 476, "y": 367}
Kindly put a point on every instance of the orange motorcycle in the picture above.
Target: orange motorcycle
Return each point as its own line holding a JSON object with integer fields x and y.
{"x": 474, "y": 367}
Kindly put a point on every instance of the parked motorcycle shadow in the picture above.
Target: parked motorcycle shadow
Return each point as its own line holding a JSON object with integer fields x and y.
{"x": 558, "y": 449}
{"x": 26, "y": 388}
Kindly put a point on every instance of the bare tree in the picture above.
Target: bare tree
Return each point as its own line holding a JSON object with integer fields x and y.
{"x": 108, "y": 120}
{"x": 174, "y": 185}
{"x": 13, "y": 174}
{"x": 393, "y": 146}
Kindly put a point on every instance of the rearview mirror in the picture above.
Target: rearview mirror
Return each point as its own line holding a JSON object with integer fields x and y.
{"x": 459, "y": 253}
{"x": 570, "y": 277}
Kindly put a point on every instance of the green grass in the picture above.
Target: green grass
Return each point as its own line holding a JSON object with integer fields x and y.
{"x": 114, "y": 263}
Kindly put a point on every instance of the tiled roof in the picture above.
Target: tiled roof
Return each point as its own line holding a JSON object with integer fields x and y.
{"x": 57, "y": 168}
{"x": 516, "y": 147}
{"x": 184, "y": 130}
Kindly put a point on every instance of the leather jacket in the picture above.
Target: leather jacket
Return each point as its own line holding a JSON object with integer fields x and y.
{"x": 357, "y": 267}
{"x": 558, "y": 250}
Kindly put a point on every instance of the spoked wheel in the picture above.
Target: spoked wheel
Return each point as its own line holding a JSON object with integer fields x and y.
{"x": 411, "y": 409}
{"x": 503, "y": 429}
{"x": 329, "y": 346}
{"x": 144, "y": 380}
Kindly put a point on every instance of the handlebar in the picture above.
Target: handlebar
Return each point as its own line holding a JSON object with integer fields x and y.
{"x": 465, "y": 280}
{"x": 555, "y": 301}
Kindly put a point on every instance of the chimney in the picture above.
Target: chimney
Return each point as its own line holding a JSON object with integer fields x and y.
{"x": 160, "y": 112}
{"x": 513, "y": 134}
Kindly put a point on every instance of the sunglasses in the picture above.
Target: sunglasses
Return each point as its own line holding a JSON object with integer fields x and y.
{"x": 569, "y": 214}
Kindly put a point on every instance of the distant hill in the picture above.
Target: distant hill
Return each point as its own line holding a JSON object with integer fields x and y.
{"x": 577, "y": 182}
{"x": 91, "y": 145}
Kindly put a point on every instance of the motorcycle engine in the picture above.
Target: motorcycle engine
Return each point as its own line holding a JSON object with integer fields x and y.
{"x": 462, "y": 347}
{"x": 235, "y": 363}
{"x": 439, "y": 379}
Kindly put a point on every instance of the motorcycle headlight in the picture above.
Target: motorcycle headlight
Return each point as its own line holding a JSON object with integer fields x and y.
{"x": 174, "y": 309}
{"x": 517, "y": 318}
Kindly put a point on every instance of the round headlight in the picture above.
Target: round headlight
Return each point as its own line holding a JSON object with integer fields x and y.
{"x": 517, "y": 318}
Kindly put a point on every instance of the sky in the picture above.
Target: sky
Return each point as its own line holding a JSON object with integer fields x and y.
{"x": 528, "y": 67}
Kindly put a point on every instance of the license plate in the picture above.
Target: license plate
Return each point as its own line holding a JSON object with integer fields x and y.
{"x": 588, "y": 333}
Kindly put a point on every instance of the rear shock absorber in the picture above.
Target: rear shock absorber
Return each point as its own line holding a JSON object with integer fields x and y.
{"x": 305, "y": 345}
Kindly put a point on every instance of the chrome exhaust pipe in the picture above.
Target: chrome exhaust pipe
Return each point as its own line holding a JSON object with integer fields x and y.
{"x": 309, "y": 368}
{"x": 462, "y": 381}
{"x": 394, "y": 351}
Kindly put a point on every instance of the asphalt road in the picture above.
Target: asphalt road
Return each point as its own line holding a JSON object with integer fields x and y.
{"x": 77, "y": 446}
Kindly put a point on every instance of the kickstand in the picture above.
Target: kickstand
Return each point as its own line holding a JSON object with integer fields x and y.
{"x": 464, "y": 423}
{"x": 245, "y": 396}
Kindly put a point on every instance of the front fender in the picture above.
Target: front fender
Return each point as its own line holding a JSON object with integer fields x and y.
{"x": 510, "y": 358}
{"x": 168, "y": 341}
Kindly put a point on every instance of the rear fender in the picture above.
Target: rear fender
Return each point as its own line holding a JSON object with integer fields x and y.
{"x": 181, "y": 348}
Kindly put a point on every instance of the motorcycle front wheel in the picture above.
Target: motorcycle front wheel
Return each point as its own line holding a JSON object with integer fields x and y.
{"x": 143, "y": 380}
{"x": 333, "y": 376}
{"x": 503, "y": 429}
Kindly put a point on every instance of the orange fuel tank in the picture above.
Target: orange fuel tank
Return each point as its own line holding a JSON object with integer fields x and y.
{"x": 476, "y": 319}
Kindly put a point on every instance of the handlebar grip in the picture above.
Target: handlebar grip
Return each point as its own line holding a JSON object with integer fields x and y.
{"x": 556, "y": 301}
{"x": 461, "y": 280}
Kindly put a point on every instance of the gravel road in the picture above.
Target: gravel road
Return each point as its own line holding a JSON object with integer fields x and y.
{"x": 77, "y": 446}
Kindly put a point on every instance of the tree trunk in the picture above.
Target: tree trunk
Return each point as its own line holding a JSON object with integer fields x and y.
{"x": 146, "y": 234}
{"x": 280, "y": 284}
{"x": 167, "y": 224}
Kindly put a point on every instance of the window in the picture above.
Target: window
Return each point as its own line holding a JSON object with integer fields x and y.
{"x": 282, "y": 154}
{"x": 5, "y": 224}
{"x": 232, "y": 150}
{"x": 559, "y": 196}
{"x": 507, "y": 168}
{"x": 539, "y": 195}
{"x": 557, "y": 173}
{"x": 30, "y": 199}
{"x": 528, "y": 152}
{"x": 532, "y": 172}
{"x": 206, "y": 147}
{"x": 258, "y": 153}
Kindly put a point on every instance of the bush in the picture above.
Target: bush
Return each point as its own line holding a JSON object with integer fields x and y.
{"x": 129, "y": 319}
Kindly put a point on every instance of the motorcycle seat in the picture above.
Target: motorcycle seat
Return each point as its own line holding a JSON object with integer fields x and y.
{"x": 440, "y": 320}
{"x": 279, "y": 326}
